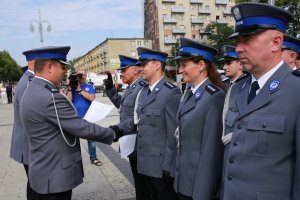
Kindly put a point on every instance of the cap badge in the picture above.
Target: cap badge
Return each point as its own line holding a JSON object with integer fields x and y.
{"x": 274, "y": 85}
{"x": 237, "y": 14}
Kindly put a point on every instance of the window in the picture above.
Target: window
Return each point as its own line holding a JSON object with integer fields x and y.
{"x": 207, "y": 17}
{"x": 164, "y": 7}
{"x": 164, "y": 16}
{"x": 132, "y": 43}
{"x": 192, "y": 8}
{"x": 181, "y": 26}
{"x": 181, "y": 17}
{"x": 132, "y": 53}
{"x": 146, "y": 43}
{"x": 206, "y": 7}
{"x": 139, "y": 43}
{"x": 192, "y": 17}
{"x": 193, "y": 27}
{"x": 193, "y": 36}
{"x": 217, "y": 17}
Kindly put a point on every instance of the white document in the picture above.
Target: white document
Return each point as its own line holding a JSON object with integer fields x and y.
{"x": 97, "y": 111}
{"x": 127, "y": 143}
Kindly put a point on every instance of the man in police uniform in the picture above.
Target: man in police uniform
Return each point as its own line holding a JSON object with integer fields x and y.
{"x": 231, "y": 65}
{"x": 19, "y": 143}
{"x": 156, "y": 107}
{"x": 290, "y": 49}
{"x": 130, "y": 73}
{"x": 261, "y": 160}
{"x": 82, "y": 97}
{"x": 53, "y": 126}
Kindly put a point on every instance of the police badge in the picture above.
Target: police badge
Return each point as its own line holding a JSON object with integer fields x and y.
{"x": 237, "y": 14}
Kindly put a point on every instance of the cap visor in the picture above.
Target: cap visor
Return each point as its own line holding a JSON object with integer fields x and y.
{"x": 245, "y": 33}
{"x": 65, "y": 63}
{"x": 182, "y": 58}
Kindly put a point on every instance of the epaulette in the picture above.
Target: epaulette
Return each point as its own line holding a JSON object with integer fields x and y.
{"x": 242, "y": 77}
{"x": 143, "y": 83}
{"x": 52, "y": 90}
{"x": 296, "y": 72}
{"x": 212, "y": 89}
{"x": 169, "y": 85}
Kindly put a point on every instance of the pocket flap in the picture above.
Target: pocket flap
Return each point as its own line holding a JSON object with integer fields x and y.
{"x": 271, "y": 196}
{"x": 156, "y": 152}
{"x": 69, "y": 160}
{"x": 153, "y": 112}
{"x": 267, "y": 122}
{"x": 230, "y": 117}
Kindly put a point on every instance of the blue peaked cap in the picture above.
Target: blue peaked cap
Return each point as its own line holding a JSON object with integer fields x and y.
{"x": 291, "y": 43}
{"x": 229, "y": 53}
{"x": 50, "y": 52}
{"x": 126, "y": 62}
{"x": 190, "y": 48}
{"x": 146, "y": 54}
{"x": 254, "y": 17}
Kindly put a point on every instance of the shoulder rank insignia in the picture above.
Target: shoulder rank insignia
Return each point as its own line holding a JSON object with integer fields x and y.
{"x": 143, "y": 83}
{"x": 30, "y": 78}
{"x": 169, "y": 85}
{"x": 212, "y": 89}
{"x": 296, "y": 72}
{"x": 53, "y": 90}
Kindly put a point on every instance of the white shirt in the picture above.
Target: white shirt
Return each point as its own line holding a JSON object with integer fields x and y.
{"x": 30, "y": 71}
{"x": 153, "y": 86}
{"x": 264, "y": 78}
{"x": 194, "y": 89}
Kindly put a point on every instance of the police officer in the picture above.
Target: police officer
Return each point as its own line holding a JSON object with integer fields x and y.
{"x": 261, "y": 159}
{"x": 19, "y": 144}
{"x": 53, "y": 127}
{"x": 130, "y": 73}
{"x": 199, "y": 156}
{"x": 231, "y": 65}
{"x": 156, "y": 107}
{"x": 290, "y": 49}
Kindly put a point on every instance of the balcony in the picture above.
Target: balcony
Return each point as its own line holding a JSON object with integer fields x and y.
{"x": 222, "y": 21}
{"x": 197, "y": 21}
{"x": 175, "y": 9}
{"x": 226, "y": 12}
{"x": 170, "y": 41}
{"x": 204, "y": 11}
{"x": 179, "y": 30}
{"x": 199, "y": 40}
{"x": 196, "y": 1}
{"x": 221, "y": 2}
{"x": 202, "y": 30}
{"x": 169, "y": 20}
{"x": 168, "y": 1}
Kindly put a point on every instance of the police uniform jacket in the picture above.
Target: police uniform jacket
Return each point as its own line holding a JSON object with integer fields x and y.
{"x": 19, "y": 142}
{"x": 54, "y": 166}
{"x": 262, "y": 160}
{"x": 157, "y": 123}
{"x": 126, "y": 102}
{"x": 198, "y": 165}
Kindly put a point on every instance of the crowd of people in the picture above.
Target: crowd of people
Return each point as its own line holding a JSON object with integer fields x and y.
{"x": 230, "y": 140}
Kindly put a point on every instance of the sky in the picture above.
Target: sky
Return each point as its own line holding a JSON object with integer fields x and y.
{"x": 81, "y": 24}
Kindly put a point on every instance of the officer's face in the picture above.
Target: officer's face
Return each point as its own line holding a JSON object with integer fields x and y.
{"x": 257, "y": 51}
{"x": 232, "y": 68}
{"x": 289, "y": 57}
{"x": 59, "y": 72}
{"x": 192, "y": 72}
{"x": 128, "y": 74}
{"x": 149, "y": 69}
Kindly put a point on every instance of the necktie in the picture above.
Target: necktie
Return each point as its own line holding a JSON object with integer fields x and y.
{"x": 189, "y": 95}
{"x": 252, "y": 94}
{"x": 149, "y": 91}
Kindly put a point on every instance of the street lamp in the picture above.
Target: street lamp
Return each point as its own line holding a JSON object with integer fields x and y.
{"x": 40, "y": 26}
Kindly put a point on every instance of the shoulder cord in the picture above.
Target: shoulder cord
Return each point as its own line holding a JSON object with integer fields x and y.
{"x": 135, "y": 115}
{"x": 61, "y": 131}
{"x": 226, "y": 138}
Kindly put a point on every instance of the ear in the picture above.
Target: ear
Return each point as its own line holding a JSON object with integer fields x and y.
{"x": 49, "y": 66}
{"x": 201, "y": 65}
{"x": 276, "y": 42}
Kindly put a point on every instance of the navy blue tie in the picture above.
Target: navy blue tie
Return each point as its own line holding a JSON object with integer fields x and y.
{"x": 254, "y": 88}
{"x": 149, "y": 91}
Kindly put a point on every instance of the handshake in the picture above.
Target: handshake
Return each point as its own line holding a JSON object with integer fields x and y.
{"x": 118, "y": 132}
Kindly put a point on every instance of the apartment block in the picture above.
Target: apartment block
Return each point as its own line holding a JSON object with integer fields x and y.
{"x": 167, "y": 20}
{"x": 105, "y": 56}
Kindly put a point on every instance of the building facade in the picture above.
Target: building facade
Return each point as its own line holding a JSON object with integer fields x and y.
{"x": 105, "y": 56}
{"x": 167, "y": 20}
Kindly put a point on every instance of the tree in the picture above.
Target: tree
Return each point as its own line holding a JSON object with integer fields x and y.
{"x": 292, "y": 6}
{"x": 72, "y": 63}
{"x": 9, "y": 69}
{"x": 218, "y": 34}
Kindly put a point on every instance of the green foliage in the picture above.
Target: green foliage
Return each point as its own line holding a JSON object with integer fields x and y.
{"x": 218, "y": 34}
{"x": 10, "y": 71}
{"x": 72, "y": 63}
{"x": 174, "y": 52}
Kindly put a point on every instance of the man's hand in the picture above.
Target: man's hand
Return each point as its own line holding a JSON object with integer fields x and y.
{"x": 167, "y": 177}
{"x": 118, "y": 132}
{"x": 108, "y": 82}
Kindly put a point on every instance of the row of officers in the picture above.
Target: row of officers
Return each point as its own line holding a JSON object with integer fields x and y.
{"x": 200, "y": 145}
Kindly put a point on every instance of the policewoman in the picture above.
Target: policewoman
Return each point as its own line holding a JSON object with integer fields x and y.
{"x": 130, "y": 73}
{"x": 262, "y": 158}
{"x": 199, "y": 152}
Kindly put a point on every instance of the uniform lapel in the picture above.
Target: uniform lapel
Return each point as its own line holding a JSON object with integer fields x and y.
{"x": 265, "y": 94}
{"x": 127, "y": 92}
{"x": 148, "y": 99}
{"x": 188, "y": 105}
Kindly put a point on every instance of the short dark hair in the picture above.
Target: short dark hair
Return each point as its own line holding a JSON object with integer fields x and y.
{"x": 39, "y": 64}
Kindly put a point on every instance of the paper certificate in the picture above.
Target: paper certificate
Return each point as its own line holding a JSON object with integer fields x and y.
{"x": 97, "y": 111}
{"x": 127, "y": 144}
